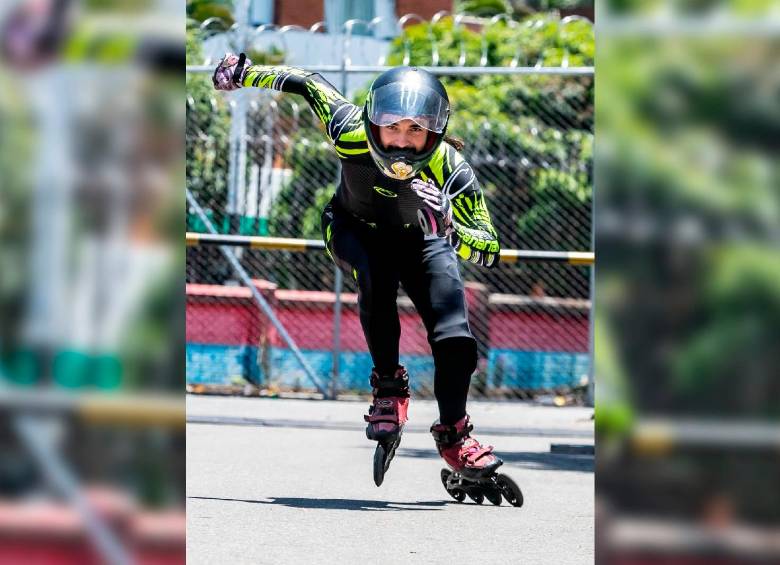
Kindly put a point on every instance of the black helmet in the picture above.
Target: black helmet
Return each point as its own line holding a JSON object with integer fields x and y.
{"x": 405, "y": 93}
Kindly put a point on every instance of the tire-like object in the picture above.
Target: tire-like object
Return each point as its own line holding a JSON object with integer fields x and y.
{"x": 493, "y": 495}
{"x": 458, "y": 494}
{"x": 476, "y": 495}
{"x": 390, "y": 453}
{"x": 455, "y": 493}
{"x": 510, "y": 490}
{"x": 379, "y": 464}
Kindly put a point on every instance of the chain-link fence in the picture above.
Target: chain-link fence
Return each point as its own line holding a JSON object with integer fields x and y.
{"x": 259, "y": 165}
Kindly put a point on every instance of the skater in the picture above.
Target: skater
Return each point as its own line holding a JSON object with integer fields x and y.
{"x": 407, "y": 206}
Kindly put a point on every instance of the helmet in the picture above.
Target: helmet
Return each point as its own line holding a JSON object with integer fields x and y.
{"x": 405, "y": 93}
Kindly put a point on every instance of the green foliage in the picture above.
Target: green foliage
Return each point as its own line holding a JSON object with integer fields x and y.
{"x": 201, "y": 10}
{"x": 737, "y": 335}
{"x": 273, "y": 56}
{"x": 515, "y": 8}
{"x": 678, "y": 131}
{"x": 558, "y": 198}
{"x": 528, "y": 137}
{"x": 537, "y": 38}
{"x": 687, "y": 137}
{"x": 483, "y": 8}
{"x": 208, "y": 128}
{"x": 16, "y": 148}
{"x": 124, "y": 6}
{"x": 298, "y": 206}
{"x": 311, "y": 223}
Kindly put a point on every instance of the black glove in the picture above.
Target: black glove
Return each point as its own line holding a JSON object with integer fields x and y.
{"x": 435, "y": 216}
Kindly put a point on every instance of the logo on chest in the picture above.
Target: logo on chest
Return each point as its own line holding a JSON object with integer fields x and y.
{"x": 401, "y": 169}
{"x": 385, "y": 192}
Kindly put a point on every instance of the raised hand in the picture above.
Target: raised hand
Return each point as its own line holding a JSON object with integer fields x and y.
{"x": 230, "y": 72}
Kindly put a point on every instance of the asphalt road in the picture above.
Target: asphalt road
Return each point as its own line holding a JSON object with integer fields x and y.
{"x": 290, "y": 481}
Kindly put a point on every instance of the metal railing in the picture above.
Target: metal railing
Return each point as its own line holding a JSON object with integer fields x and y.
{"x": 293, "y": 244}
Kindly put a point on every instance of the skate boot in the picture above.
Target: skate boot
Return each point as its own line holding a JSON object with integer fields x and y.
{"x": 473, "y": 466}
{"x": 386, "y": 417}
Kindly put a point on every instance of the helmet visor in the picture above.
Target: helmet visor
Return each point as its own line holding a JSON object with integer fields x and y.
{"x": 414, "y": 101}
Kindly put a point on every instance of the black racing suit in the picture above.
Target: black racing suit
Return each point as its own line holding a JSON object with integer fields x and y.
{"x": 371, "y": 232}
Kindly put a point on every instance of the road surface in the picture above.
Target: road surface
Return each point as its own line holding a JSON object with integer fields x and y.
{"x": 290, "y": 481}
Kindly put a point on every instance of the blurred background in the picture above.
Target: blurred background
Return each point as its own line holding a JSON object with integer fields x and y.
{"x": 688, "y": 303}
{"x": 281, "y": 320}
{"x": 91, "y": 296}
{"x": 91, "y": 301}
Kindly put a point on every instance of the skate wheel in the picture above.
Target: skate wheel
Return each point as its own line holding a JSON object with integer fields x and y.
{"x": 510, "y": 490}
{"x": 476, "y": 496}
{"x": 380, "y": 456}
{"x": 455, "y": 493}
{"x": 493, "y": 495}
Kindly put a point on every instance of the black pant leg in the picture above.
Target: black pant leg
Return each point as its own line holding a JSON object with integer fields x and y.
{"x": 431, "y": 278}
{"x": 433, "y": 282}
{"x": 359, "y": 252}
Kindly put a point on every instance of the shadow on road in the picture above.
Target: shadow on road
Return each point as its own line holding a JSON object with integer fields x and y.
{"x": 336, "y": 503}
{"x": 529, "y": 459}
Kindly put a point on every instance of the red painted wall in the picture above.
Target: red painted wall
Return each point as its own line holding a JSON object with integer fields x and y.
{"x": 228, "y": 316}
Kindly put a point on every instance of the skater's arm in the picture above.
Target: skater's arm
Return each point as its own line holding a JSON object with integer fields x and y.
{"x": 327, "y": 103}
{"x": 474, "y": 237}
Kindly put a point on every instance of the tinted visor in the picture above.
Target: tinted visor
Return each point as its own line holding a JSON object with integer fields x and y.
{"x": 410, "y": 100}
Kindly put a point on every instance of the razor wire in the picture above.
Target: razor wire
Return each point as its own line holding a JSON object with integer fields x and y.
{"x": 531, "y": 318}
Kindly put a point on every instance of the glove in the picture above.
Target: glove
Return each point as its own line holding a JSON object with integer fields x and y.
{"x": 33, "y": 33}
{"x": 465, "y": 251}
{"x": 435, "y": 217}
{"x": 229, "y": 74}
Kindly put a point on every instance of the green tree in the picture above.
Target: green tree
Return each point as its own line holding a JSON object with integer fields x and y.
{"x": 16, "y": 147}
{"x": 207, "y": 137}
{"x": 202, "y": 10}
{"x": 529, "y": 138}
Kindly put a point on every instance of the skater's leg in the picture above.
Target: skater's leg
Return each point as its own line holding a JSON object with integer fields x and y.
{"x": 454, "y": 359}
{"x": 434, "y": 285}
{"x": 436, "y": 289}
{"x": 359, "y": 253}
{"x": 432, "y": 280}
{"x": 377, "y": 295}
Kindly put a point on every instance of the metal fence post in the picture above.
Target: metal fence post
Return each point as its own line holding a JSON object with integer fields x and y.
{"x": 337, "y": 287}
{"x": 36, "y": 434}
{"x": 237, "y": 164}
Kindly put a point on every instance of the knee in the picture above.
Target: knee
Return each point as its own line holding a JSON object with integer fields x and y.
{"x": 456, "y": 354}
{"x": 365, "y": 289}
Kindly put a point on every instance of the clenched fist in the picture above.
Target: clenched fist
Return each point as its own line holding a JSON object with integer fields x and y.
{"x": 229, "y": 74}
{"x": 436, "y": 216}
